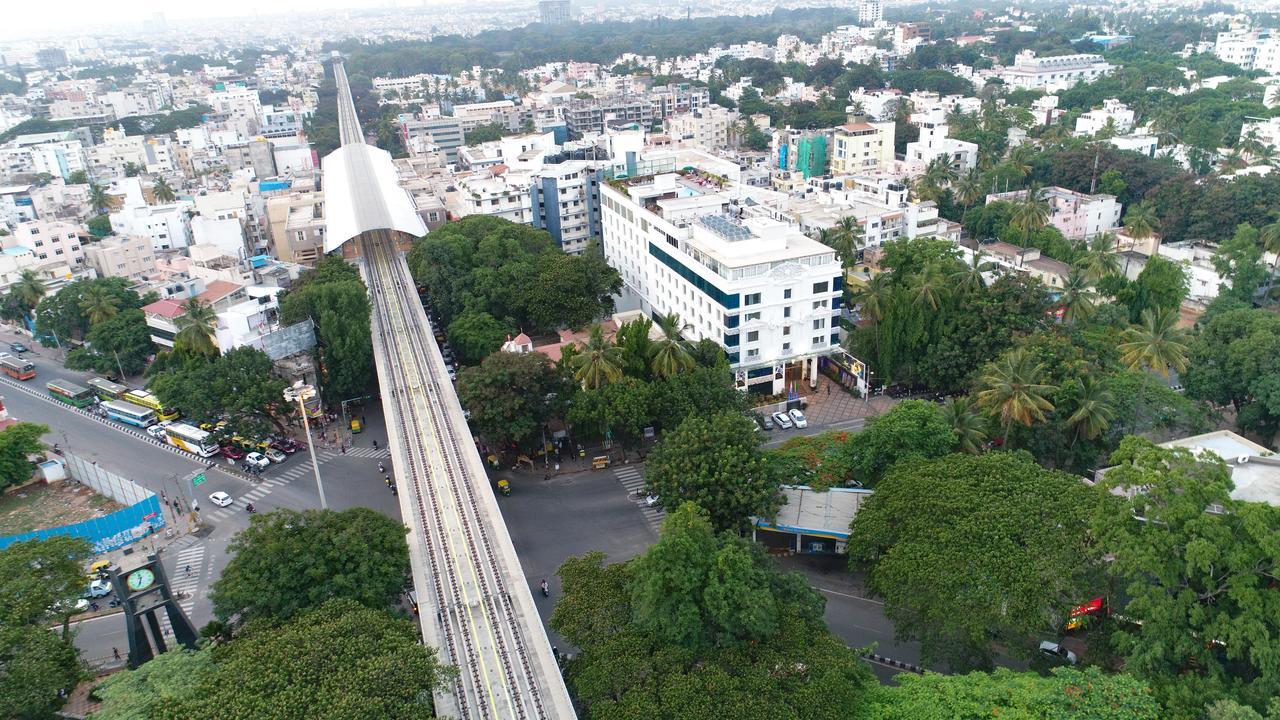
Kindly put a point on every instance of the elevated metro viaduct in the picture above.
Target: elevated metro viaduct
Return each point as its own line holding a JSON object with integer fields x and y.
{"x": 475, "y": 604}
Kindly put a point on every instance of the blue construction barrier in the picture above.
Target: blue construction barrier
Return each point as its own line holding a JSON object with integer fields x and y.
{"x": 108, "y": 532}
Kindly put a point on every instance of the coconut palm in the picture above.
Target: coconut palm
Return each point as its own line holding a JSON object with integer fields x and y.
{"x": 1269, "y": 235}
{"x": 29, "y": 290}
{"x": 670, "y": 355}
{"x": 1157, "y": 343}
{"x": 598, "y": 362}
{"x": 969, "y": 189}
{"x": 1099, "y": 259}
{"x": 929, "y": 286}
{"x": 1031, "y": 214}
{"x": 970, "y": 278}
{"x": 99, "y": 304}
{"x": 99, "y": 200}
{"x": 1011, "y": 388}
{"x": 195, "y": 329}
{"x": 162, "y": 191}
{"x": 1140, "y": 221}
{"x": 961, "y": 413}
{"x": 873, "y": 297}
{"x": 849, "y": 240}
{"x": 1095, "y": 411}
{"x": 1078, "y": 298}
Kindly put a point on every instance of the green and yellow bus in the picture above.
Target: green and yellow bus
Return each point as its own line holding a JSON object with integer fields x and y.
{"x": 151, "y": 402}
{"x": 70, "y": 393}
{"x": 107, "y": 390}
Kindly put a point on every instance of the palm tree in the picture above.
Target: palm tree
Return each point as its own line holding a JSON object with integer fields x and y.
{"x": 195, "y": 329}
{"x": 1140, "y": 221}
{"x": 1269, "y": 235}
{"x": 970, "y": 279}
{"x": 1100, "y": 259}
{"x": 99, "y": 200}
{"x": 99, "y": 304}
{"x": 598, "y": 362}
{"x": 873, "y": 297}
{"x": 29, "y": 291}
{"x": 1031, "y": 214}
{"x": 1157, "y": 343}
{"x": 969, "y": 189}
{"x": 1078, "y": 299}
{"x": 162, "y": 191}
{"x": 1095, "y": 411}
{"x": 929, "y": 286}
{"x": 970, "y": 427}
{"x": 1011, "y": 387}
{"x": 670, "y": 355}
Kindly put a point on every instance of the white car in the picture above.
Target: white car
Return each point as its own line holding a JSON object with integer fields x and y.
{"x": 257, "y": 460}
{"x": 1056, "y": 651}
{"x": 98, "y": 589}
{"x": 275, "y": 455}
{"x": 782, "y": 420}
{"x": 651, "y": 500}
{"x": 797, "y": 417}
{"x": 157, "y": 432}
{"x": 221, "y": 499}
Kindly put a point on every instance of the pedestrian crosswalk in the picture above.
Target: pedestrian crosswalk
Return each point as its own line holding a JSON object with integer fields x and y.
{"x": 633, "y": 481}
{"x": 184, "y": 582}
{"x": 360, "y": 452}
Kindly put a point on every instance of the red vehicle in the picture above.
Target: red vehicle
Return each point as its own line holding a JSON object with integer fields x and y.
{"x": 1079, "y": 618}
{"x": 287, "y": 446}
{"x": 232, "y": 452}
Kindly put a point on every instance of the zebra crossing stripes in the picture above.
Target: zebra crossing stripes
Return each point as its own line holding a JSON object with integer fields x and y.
{"x": 360, "y": 452}
{"x": 633, "y": 481}
{"x": 184, "y": 581}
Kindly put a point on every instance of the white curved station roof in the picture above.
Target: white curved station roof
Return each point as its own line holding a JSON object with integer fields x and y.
{"x": 362, "y": 194}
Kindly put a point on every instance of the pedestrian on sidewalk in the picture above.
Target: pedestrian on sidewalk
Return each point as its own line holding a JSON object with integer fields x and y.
{"x": 115, "y": 653}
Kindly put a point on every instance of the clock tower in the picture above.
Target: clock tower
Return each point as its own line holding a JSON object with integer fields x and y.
{"x": 145, "y": 594}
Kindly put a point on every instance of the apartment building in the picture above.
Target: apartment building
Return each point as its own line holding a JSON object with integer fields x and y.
{"x": 296, "y": 227}
{"x": 769, "y": 295}
{"x": 677, "y": 99}
{"x": 168, "y": 225}
{"x": 880, "y": 204}
{"x": 505, "y": 195}
{"x": 870, "y": 12}
{"x": 710, "y": 127}
{"x": 51, "y": 242}
{"x": 591, "y": 117}
{"x": 1052, "y": 73}
{"x": 862, "y": 147}
{"x": 565, "y": 201}
{"x": 554, "y": 12}
{"x": 934, "y": 143}
{"x": 1113, "y": 113}
{"x": 126, "y": 256}
{"x": 1077, "y": 215}
{"x": 1250, "y": 49}
{"x": 438, "y": 133}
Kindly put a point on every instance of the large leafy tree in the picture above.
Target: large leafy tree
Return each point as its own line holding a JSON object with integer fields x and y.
{"x": 1197, "y": 571}
{"x": 339, "y": 660}
{"x": 17, "y": 444}
{"x": 911, "y": 430}
{"x": 715, "y": 462}
{"x": 122, "y": 343}
{"x": 475, "y": 335}
{"x": 699, "y": 624}
{"x": 973, "y": 550}
{"x": 42, "y": 579}
{"x": 240, "y": 385}
{"x": 145, "y": 691}
{"x": 38, "y": 670}
{"x": 334, "y": 297}
{"x": 288, "y": 562}
{"x": 1238, "y": 260}
{"x": 511, "y": 395}
{"x": 1232, "y": 360}
{"x": 1065, "y": 694}
{"x": 64, "y": 314}
{"x": 29, "y": 290}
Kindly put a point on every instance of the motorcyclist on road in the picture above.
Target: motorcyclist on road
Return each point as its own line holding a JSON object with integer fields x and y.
{"x": 249, "y": 507}
{"x": 545, "y": 592}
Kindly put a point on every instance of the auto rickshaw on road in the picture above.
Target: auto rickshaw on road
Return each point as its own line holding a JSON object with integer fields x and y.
{"x": 504, "y": 487}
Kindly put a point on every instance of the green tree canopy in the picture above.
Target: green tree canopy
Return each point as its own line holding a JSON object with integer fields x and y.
{"x": 17, "y": 444}
{"x": 911, "y": 430}
{"x": 715, "y": 462}
{"x": 122, "y": 343}
{"x": 507, "y": 395}
{"x": 144, "y": 692}
{"x": 38, "y": 670}
{"x": 239, "y": 386}
{"x": 335, "y": 298}
{"x": 1232, "y": 360}
{"x": 41, "y": 580}
{"x": 64, "y": 313}
{"x": 1197, "y": 573}
{"x": 972, "y": 550}
{"x": 475, "y": 335}
{"x": 287, "y": 562}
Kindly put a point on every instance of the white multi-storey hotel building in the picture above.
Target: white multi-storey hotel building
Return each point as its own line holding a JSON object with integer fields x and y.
{"x": 768, "y": 294}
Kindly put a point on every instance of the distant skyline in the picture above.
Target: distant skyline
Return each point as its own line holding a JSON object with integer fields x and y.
{"x": 73, "y": 17}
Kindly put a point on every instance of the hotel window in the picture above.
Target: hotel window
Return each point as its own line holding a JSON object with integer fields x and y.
{"x": 753, "y": 336}
{"x": 752, "y": 299}
{"x": 786, "y": 312}
{"x": 819, "y": 323}
{"x": 752, "y": 316}
{"x": 786, "y": 294}
{"x": 753, "y": 353}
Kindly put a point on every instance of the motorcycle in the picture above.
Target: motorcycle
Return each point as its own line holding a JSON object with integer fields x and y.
{"x": 250, "y": 508}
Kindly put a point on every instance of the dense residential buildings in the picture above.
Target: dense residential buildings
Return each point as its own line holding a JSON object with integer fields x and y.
{"x": 1251, "y": 49}
{"x": 862, "y": 147}
{"x": 126, "y": 256}
{"x": 1077, "y": 215}
{"x": 1052, "y": 73}
{"x": 554, "y": 12}
{"x": 934, "y": 143}
{"x": 1114, "y": 116}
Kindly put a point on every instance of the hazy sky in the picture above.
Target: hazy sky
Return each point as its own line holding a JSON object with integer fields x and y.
{"x": 55, "y": 15}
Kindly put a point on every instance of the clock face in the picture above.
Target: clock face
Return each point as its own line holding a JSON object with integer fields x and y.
{"x": 141, "y": 579}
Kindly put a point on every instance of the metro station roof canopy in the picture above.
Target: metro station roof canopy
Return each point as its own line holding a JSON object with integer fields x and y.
{"x": 362, "y": 194}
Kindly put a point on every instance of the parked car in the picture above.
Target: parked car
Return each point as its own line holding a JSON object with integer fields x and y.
{"x": 98, "y": 588}
{"x": 783, "y": 420}
{"x": 221, "y": 499}
{"x": 797, "y": 417}
{"x": 286, "y": 446}
{"x": 18, "y": 347}
{"x": 1057, "y": 652}
{"x": 257, "y": 459}
{"x": 651, "y": 500}
{"x": 232, "y": 452}
{"x": 275, "y": 455}
{"x": 156, "y": 431}
{"x": 765, "y": 421}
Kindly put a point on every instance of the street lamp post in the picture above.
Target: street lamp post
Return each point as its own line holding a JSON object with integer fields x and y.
{"x": 301, "y": 393}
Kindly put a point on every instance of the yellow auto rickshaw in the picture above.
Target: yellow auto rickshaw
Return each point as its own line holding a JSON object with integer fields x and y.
{"x": 504, "y": 487}
{"x": 356, "y": 427}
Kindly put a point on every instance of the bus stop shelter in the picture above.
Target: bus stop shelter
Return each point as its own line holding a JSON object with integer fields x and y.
{"x": 810, "y": 522}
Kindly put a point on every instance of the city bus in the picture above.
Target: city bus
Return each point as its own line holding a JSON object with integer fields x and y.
{"x": 129, "y": 413}
{"x": 70, "y": 393}
{"x": 191, "y": 439}
{"x": 148, "y": 400}
{"x": 17, "y": 368}
{"x": 107, "y": 390}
